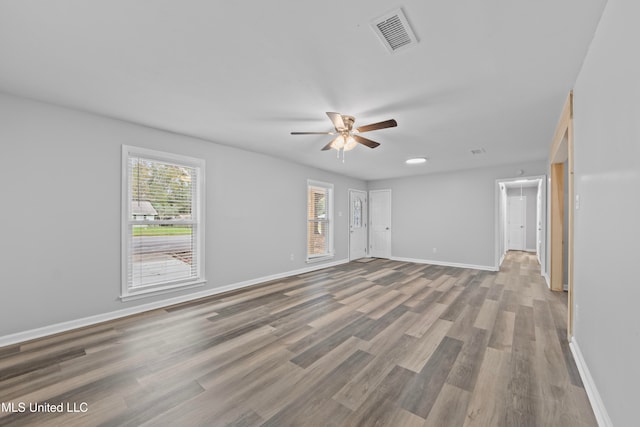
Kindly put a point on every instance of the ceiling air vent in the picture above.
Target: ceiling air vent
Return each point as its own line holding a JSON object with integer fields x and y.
{"x": 394, "y": 31}
{"x": 478, "y": 151}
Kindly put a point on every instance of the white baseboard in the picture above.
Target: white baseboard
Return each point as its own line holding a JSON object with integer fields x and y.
{"x": 446, "y": 264}
{"x": 57, "y": 328}
{"x": 597, "y": 405}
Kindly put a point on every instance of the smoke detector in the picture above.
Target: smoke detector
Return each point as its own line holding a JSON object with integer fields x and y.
{"x": 394, "y": 31}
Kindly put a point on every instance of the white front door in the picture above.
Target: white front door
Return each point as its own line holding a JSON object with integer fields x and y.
{"x": 357, "y": 224}
{"x": 380, "y": 223}
{"x": 516, "y": 222}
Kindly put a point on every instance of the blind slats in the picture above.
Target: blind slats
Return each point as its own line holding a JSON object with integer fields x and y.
{"x": 318, "y": 218}
{"x": 162, "y": 226}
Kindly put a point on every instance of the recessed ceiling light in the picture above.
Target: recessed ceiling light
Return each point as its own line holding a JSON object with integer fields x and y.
{"x": 416, "y": 160}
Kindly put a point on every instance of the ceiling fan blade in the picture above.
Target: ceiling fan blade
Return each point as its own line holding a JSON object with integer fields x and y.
{"x": 336, "y": 118}
{"x": 329, "y": 146}
{"x": 365, "y": 141}
{"x": 312, "y": 133}
{"x": 380, "y": 125}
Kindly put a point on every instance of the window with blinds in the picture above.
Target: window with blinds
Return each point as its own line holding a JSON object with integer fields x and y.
{"x": 319, "y": 220}
{"x": 163, "y": 235}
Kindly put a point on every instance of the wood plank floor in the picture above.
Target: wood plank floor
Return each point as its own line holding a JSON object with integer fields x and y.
{"x": 380, "y": 343}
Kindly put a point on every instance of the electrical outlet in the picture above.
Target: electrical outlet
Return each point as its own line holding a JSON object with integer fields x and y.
{"x": 291, "y": 257}
{"x": 435, "y": 250}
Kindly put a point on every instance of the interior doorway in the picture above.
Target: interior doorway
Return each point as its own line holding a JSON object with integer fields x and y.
{"x": 521, "y": 219}
{"x": 358, "y": 218}
{"x": 561, "y": 208}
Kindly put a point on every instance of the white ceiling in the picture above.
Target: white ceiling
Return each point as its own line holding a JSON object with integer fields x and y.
{"x": 489, "y": 74}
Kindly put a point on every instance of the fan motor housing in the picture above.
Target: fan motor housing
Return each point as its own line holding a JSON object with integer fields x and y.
{"x": 348, "y": 122}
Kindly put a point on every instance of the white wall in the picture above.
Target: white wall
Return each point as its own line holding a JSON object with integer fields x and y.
{"x": 452, "y": 212}
{"x": 60, "y": 177}
{"x": 607, "y": 229}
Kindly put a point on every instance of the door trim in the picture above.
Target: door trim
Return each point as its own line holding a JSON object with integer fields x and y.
{"x": 561, "y": 151}
{"x": 498, "y": 256}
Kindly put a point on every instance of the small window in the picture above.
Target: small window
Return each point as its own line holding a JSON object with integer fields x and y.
{"x": 162, "y": 227}
{"x": 357, "y": 213}
{"x": 319, "y": 221}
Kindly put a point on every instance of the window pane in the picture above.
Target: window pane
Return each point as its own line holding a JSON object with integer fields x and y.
{"x": 160, "y": 191}
{"x": 317, "y": 241}
{"x": 319, "y": 216}
{"x": 317, "y": 203}
{"x": 356, "y": 219}
{"x": 161, "y": 254}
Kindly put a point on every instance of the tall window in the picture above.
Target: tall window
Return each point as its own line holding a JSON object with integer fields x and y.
{"x": 162, "y": 228}
{"x": 319, "y": 220}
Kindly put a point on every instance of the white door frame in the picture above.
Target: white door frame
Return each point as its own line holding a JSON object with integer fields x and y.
{"x": 372, "y": 253}
{"x": 365, "y": 220}
{"x": 497, "y": 224}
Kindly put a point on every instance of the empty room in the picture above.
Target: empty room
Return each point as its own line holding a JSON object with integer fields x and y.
{"x": 319, "y": 213}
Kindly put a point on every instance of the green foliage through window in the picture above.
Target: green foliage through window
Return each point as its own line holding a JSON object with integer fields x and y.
{"x": 167, "y": 187}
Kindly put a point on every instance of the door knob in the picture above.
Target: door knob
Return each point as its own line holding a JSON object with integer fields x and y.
{"x": 387, "y": 228}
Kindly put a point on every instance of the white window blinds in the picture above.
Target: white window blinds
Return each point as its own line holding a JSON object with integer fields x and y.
{"x": 319, "y": 219}
{"x": 163, "y": 231}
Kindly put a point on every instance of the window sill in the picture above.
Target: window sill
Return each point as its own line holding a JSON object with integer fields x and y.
{"x": 319, "y": 259}
{"x": 159, "y": 290}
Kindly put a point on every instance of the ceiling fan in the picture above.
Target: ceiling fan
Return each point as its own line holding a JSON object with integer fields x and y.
{"x": 347, "y": 137}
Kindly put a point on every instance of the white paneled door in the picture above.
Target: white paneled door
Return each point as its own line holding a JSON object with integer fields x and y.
{"x": 358, "y": 218}
{"x": 380, "y": 223}
{"x": 516, "y": 209}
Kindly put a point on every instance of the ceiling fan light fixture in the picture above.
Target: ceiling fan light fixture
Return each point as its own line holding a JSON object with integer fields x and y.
{"x": 344, "y": 142}
{"x": 416, "y": 160}
{"x": 350, "y": 143}
{"x": 338, "y": 143}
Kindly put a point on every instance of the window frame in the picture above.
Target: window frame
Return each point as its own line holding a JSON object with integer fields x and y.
{"x": 310, "y": 258}
{"x": 128, "y": 292}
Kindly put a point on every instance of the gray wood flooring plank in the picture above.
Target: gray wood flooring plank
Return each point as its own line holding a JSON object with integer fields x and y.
{"x": 420, "y": 395}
